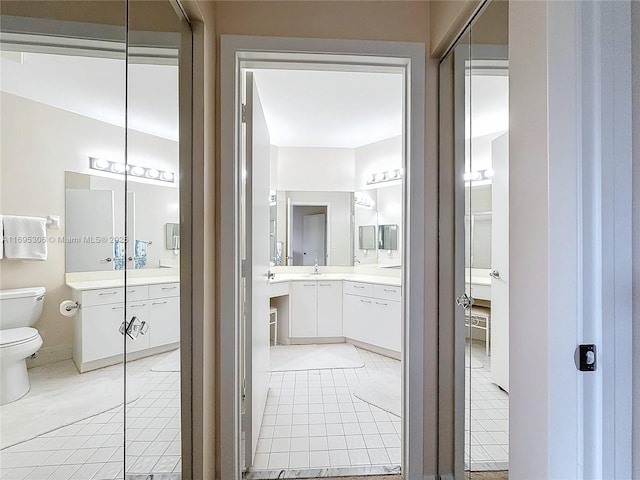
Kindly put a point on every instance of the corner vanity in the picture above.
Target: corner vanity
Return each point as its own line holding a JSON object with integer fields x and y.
{"x": 154, "y": 301}
{"x": 365, "y": 310}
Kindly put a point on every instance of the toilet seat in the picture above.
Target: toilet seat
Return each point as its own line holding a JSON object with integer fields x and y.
{"x": 17, "y": 336}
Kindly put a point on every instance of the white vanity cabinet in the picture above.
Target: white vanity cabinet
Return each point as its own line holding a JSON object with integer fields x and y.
{"x": 97, "y": 339}
{"x": 372, "y": 314}
{"x": 164, "y": 314}
{"x": 316, "y": 309}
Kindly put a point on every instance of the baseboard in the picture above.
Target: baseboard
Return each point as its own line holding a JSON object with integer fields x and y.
{"x": 48, "y": 355}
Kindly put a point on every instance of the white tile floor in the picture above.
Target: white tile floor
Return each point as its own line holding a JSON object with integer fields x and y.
{"x": 312, "y": 420}
{"x": 92, "y": 449}
{"x": 486, "y": 415}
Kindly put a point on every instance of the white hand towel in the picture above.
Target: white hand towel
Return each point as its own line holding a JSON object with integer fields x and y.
{"x": 25, "y": 238}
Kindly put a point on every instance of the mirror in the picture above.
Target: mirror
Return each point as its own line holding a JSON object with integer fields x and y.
{"x": 367, "y": 237}
{"x": 97, "y": 242}
{"x": 388, "y": 237}
{"x": 172, "y": 237}
{"x": 310, "y": 225}
{"x": 478, "y": 223}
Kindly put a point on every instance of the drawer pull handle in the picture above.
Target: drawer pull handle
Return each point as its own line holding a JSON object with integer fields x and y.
{"x": 383, "y": 304}
{"x": 116, "y": 308}
{"x": 358, "y": 286}
{"x": 309, "y": 285}
{"x": 131, "y": 291}
{"x": 138, "y": 306}
{"x": 390, "y": 290}
{"x": 324, "y": 284}
{"x": 169, "y": 288}
{"x": 158, "y": 303}
{"x": 107, "y": 293}
{"x": 365, "y": 301}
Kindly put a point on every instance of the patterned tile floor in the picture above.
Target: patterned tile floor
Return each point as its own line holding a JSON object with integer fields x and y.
{"x": 93, "y": 448}
{"x": 312, "y": 420}
{"x": 486, "y": 415}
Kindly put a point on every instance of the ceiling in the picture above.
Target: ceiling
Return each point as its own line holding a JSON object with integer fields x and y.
{"x": 95, "y": 87}
{"x": 330, "y": 109}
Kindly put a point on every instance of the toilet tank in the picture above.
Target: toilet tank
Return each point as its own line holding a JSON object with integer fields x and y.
{"x": 21, "y": 307}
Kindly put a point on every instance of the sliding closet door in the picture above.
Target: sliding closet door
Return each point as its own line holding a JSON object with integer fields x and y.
{"x": 158, "y": 43}
{"x": 62, "y": 105}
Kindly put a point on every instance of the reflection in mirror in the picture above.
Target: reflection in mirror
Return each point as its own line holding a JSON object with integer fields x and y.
{"x": 388, "y": 237}
{"x": 101, "y": 243}
{"x": 172, "y": 237}
{"x": 367, "y": 237}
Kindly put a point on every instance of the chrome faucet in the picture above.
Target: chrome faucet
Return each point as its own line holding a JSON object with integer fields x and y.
{"x": 355, "y": 260}
{"x": 315, "y": 268}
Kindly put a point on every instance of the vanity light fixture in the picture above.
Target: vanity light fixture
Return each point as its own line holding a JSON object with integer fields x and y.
{"x": 387, "y": 176}
{"x": 133, "y": 170}
{"x": 362, "y": 201}
{"x": 479, "y": 175}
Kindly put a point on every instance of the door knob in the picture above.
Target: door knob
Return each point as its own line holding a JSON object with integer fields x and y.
{"x": 464, "y": 301}
{"x": 494, "y": 274}
{"x": 106, "y": 260}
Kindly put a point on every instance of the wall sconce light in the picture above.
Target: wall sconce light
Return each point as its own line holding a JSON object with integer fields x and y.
{"x": 362, "y": 201}
{"x": 478, "y": 175}
{"x": 133, "y": 170}
{"x": 387, "y": 176}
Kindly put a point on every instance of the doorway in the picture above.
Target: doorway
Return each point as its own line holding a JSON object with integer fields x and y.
{"x": 237, "y": 49}
{"x": 309, "y": 234}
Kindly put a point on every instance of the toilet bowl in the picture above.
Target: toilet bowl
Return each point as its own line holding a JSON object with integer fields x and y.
{"x": 19, "y": 309}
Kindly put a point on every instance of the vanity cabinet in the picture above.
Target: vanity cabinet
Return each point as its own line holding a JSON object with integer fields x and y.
{"x": 97, "y": 338}
{"x": 316, "y": 309}
{"x": 373, "y": 314}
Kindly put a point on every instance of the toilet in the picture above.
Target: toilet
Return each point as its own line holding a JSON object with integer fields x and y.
{"x": 19, "y": 309}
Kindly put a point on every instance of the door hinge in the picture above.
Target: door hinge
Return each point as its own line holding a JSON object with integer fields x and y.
{"x": 243, "y": 268}
{"x": 244, "y": 388}
{"x": 244, "y": 113}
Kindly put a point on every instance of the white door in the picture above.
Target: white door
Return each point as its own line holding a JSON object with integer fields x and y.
{"x": 500, "y": 262}
{"x": 89, "y": 230}
{"x": 257, "y": 287}
{"x": 314, "y": 239}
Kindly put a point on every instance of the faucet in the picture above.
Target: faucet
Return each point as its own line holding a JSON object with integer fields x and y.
{"x": 315, "y": 268}
{"x": 355, "y": 260}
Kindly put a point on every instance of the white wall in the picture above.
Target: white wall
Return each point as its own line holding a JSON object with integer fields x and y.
{"x": 315, "y": 169}
{"x": 38, "y": 144}
{"x": 376, "y": 157}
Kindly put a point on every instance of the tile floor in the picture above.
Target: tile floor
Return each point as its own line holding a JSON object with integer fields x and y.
{"x": 312, "y": 420}
{"x": 486, "y": 415}
{"x": 92, "y": 449}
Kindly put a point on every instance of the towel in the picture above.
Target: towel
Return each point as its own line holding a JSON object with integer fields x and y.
{"x": 25, "y": 238}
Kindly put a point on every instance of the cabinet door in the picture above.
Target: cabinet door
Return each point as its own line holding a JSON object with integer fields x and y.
{"x": 140, "y": 310}
{"x": 357, "y": 319}
{"x": 387, "y": 318}
{"x": 329, "y": 309}
{"x": 164, "y": 324}
{"x": 304, "y": 309}
{"x": 101, "y": 337}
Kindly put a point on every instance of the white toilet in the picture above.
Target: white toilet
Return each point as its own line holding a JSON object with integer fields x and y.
{"x": 19, "y": 310}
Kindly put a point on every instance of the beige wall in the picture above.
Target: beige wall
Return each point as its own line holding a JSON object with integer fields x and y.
{"x": 447, "y": 19}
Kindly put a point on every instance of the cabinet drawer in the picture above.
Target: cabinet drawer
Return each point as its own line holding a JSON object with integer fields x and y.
{"x": 141, "y": 292}
{"x": 357, "y": 288}
{"x": 387, "y": 292}
{"x": 163, "y": 290}
{"x": 102, "y": 296}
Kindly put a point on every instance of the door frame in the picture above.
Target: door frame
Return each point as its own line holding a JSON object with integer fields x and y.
{"x": 290, "y": 205}
{"x": 253, "y": 51}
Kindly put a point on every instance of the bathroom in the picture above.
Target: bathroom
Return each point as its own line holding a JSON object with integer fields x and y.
{"x": 90, "y": 169}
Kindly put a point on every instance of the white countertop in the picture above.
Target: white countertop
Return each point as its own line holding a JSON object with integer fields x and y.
{"x": 119, "y": 282}
{"x": 352, "y": 277}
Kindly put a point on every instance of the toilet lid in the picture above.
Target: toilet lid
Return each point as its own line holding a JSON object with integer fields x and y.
{"x": 16, "y": 336}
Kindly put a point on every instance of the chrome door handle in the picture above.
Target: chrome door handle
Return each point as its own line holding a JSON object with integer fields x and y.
{"x": 134, "y": 328}
{"x": 464, "y": 301}
{"x": 271, "y": 275}
{"x": 106, "y": 260}
{"x": 494, "y": 274}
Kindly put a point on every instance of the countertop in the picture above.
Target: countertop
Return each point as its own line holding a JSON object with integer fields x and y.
{"x": 352, "y": 277}
{"x": 111, "y": 283}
